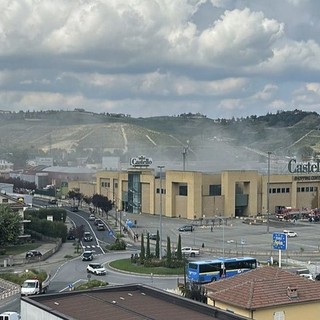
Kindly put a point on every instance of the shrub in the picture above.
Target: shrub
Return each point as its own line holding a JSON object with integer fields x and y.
{"x": 119, "y": 244}
{"x": 92, "y": 284}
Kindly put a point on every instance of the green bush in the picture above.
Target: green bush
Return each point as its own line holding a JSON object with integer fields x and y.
{"x": 119, "y": 244}
{"x": 92, "y": 284}
{"x": 19, "y": 278}
{"x": 2, "y": 251}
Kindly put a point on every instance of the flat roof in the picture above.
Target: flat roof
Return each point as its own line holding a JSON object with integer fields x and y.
{"x": 134, "y": 302}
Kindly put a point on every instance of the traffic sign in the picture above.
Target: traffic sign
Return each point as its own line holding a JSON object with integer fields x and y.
{"x": 279, "y": 241}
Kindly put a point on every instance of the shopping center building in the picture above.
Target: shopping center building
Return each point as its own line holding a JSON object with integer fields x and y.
{"x": 195, "y": 195}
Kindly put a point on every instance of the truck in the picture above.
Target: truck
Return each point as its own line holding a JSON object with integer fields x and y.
{"x": 189, "y": 251}
{"x": 35, "y": 286}
{"x": 10, "y": 315}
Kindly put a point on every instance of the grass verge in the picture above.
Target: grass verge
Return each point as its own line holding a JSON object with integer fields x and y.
{"x": 21, "y": 248}
{"x": 126, "y": 265}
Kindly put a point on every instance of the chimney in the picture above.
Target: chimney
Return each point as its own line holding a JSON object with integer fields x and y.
{"x": 292, "y": 292}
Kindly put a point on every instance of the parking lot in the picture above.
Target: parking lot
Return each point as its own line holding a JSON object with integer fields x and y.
{"x": 233, "y": 237}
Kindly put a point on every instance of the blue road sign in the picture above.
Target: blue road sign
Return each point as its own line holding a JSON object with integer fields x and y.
{"x": 279, "y": 241}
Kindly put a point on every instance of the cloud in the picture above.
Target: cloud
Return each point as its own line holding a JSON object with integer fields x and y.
{"x": 150, "y": 57}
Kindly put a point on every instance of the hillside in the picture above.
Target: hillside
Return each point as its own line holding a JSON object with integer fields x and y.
{"x": 66, "y": 135}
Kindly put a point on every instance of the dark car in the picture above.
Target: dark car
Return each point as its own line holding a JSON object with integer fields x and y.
{"x": 74, "y": 209}
{"x": 71, "y": 236}
{"x": 33, "y": 253}
{"x": 53, "y": 201}
{"x": 186, "y": 228}
{"x": 87, "y": 256}
{"x": 87, "y": 236}
{"x": 97, "y": 221}
{"x": 101, "y": 227}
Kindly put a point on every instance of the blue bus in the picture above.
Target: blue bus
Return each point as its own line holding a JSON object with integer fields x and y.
{"x": 206, "y": 271}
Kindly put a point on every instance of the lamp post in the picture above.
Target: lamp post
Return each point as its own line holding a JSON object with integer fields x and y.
{"x": 184, "y": 155}
{"x": 268, "y": 193}
{"x": 222, "y": 219}
{"x": 160, "y": 168}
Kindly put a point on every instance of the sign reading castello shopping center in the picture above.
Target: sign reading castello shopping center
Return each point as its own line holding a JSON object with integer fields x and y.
{"x": 140, "y": 162}
{"x": 305, "y": 167}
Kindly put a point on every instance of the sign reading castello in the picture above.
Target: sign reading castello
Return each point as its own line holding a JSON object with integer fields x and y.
{"x": 306, "y": 167}
{"x": 140, "y": 162}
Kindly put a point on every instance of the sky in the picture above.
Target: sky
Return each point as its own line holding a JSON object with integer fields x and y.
{"x": 219, "y": 58}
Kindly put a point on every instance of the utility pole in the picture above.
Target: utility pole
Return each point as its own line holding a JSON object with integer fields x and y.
{"x": 268, "y": 193}
{"x": 160, "y": 167}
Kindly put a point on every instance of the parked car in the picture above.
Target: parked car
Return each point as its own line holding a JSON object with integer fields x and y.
{"x": 189, "y": 251}
{"x": 290, "y": 234}
{"x": 87, "y": 236}
{"x": 71, "y": 236}
{"x": 186, "y": 228}
{"x": 33, "y": 253}
{"x": 307, "y": 276}
{"x": 152, "y": 236}
{"x": 53, "y": 201}
{"x": 92, "y": 217}
{"x": 96, "y": 268}
{"x": 87, "y": 256}
{"x": 101, "y": 227}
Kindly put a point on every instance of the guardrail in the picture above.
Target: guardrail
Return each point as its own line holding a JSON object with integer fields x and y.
{"x": 10, "y": 290}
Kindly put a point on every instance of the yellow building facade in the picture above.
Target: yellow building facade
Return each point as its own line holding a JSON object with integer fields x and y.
{"x": 194, "y": 195}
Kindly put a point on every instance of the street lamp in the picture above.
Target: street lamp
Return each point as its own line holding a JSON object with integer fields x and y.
{"x": 268, "y": 193}
{"x": 160, "y": 168}
{"x": 222, "y": 219}
{"x": 184, "y": 155}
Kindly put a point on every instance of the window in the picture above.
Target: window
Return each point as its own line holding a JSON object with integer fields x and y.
{"x": 283, "y": 190}
{"x": 278, "y": 190}
{"x": 302, "y": 189}
{"x": 287, "y": 190}
{"x": 183, "y": 190}
{"x": 279, "y": 315}
{"x": 215, "y": 190}
{"x": 163, "y": 190}
{"x": 274, "y": 190}
{"x": 307, "y": 189}
{"x": 298, "y": 189}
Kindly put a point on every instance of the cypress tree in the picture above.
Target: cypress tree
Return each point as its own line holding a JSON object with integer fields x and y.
{"x": 158, "y": 245}
{"x": 179, "y": 252}
{"x": 142, "y": 253}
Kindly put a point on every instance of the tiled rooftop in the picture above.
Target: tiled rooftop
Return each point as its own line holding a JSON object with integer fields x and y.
{"x": 263, "y": 287}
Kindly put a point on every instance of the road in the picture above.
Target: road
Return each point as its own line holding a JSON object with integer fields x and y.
{"x": 234, "y": 238}
{"x": 74, "y": 272}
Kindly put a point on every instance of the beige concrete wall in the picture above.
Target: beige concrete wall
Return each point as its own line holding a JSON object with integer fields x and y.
{"x": 193, "y": 206}
{"x": 229, "y": 180}
{"x": 310, "y": 311}
{"x": 87, "y": 188}
{"x": 198, "y": 202}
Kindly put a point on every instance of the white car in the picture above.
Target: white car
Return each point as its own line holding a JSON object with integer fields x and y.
{"x": 290, "y": 234}
{"x": 189, "y": 251}
{"x": 96, "y": 268}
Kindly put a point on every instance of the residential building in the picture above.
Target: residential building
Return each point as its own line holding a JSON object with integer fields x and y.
{"x": 18, "y": 206}
{"x": 5, "y": 166}
{"x": 267, "y": 293}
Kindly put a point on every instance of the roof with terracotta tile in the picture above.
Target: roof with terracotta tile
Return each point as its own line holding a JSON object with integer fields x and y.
{"x": 263, "y": 287}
